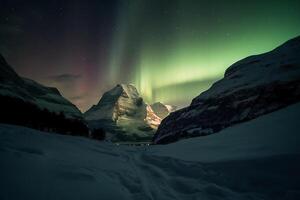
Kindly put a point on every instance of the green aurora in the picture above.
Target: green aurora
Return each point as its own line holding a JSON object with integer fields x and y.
{"x": 174, "y": 50}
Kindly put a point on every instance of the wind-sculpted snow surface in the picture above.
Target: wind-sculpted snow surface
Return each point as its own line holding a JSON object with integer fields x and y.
{"x": 259, "y": 159}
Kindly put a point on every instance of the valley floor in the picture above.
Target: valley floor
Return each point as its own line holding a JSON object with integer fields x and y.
{"x": 259, "y": 159}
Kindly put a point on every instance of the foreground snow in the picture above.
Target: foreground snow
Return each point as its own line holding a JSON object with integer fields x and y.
{"x": 259, "y": 159}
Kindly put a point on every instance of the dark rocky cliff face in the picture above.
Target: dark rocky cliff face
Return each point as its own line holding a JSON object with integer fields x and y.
{"x": 252, "y": 87}
{"x": 7, "y": 73}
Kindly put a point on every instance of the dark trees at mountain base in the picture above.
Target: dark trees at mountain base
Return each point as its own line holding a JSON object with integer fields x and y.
{"x": 18, "y": 112}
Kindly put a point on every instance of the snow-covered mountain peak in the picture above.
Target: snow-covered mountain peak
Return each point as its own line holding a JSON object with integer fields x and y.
{"x": 123, "y": 113}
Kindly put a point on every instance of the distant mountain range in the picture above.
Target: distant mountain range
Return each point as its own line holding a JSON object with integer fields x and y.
{"x": 252, "y": 87}
{"x": 121, "y": 112}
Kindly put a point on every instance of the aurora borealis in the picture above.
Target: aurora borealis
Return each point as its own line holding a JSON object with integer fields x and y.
{"x": 171, "y": 50}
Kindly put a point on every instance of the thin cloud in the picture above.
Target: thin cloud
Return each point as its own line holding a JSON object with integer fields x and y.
{"x": 75, "y": 98}
{"x": 65, "y": 78}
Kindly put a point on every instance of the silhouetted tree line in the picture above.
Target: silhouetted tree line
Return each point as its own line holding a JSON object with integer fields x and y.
{"x": 98, "y": 134}
{"x": 18, "y": 112}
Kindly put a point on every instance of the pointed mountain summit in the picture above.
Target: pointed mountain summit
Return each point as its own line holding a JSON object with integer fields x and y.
{"x": 122, "y": 100}
{"x": 124, "y": 115}
{"x": 252, "y": 87}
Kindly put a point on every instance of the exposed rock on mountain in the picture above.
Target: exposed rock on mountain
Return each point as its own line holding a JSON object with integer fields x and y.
{"x": 122, "y": 100}
{"x": 152, "y": 119}
{"x": 162, "y": 110}
{"x": 124, "y": 115}
{"x": 12, "y": 85}
{"x": 250, "y": 88}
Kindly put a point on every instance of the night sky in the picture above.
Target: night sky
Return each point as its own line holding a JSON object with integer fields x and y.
{"x": 171, "y": 50}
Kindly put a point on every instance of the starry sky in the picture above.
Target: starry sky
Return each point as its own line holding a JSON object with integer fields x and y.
{"x": 171, "y": 50}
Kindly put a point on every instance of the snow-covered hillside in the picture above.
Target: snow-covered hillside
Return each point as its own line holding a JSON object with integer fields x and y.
{"x": 12, "y": 85}
{"x": 250, "y": 88}
{"x": 259, "y": 159}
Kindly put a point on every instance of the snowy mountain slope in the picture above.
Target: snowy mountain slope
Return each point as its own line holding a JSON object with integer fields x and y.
{"x": 269, "y": 135}
{"x": 260, "y": 161}
{"x": 30, "y": 91}
{"x": 121, "y": 100}
{"x": 250, "y": 88}
{"x": 122, "y": 112}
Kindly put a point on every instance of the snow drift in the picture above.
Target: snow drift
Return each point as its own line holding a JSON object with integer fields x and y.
{"x": 259, "y": 159}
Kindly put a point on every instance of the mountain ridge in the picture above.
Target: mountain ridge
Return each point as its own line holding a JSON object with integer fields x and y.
{"x": 251, "y": 87}
{"x": 13, "y": 85}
